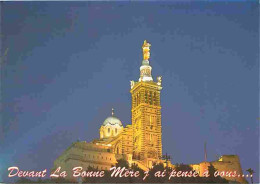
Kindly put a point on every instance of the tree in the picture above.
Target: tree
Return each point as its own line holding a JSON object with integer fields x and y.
{"x": 135, "y": 168}
{"x": 211, "y": 170}
{"x": 212, "y": 178}
{"x": 183, "y": 167}
{"x": 122, "y": 163}
{"x": 251, "y": 172}
{"x": 186, "y": 171}
{"x": 90, "y": 179}
{"x": 151, "y": 177}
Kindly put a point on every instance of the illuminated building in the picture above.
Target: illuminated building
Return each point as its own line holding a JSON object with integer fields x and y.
{"x": 140, "y": 142}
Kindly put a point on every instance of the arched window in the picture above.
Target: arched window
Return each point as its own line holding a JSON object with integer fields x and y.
{"x": 145, "y": 97}
{"x": 151, "y": 98}
{"x": 154, "y": 99}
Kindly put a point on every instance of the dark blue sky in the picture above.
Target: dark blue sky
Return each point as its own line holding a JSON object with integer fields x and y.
{"x": 69, "y": 63}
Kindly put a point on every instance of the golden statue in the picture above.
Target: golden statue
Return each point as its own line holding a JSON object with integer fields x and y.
{"x": 146, "y": 50}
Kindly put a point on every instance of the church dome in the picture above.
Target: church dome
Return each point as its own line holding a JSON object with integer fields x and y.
{"x": 112, "y": 120}
{"x": 111, "y": 127}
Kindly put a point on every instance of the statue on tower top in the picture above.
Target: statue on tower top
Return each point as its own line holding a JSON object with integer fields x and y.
{"x": 146, "y": 50}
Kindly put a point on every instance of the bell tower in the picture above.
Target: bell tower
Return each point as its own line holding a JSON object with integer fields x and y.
{"x": 146, "y": 112}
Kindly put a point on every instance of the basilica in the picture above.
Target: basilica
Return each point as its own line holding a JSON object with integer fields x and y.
{"x": 139, "y": 143}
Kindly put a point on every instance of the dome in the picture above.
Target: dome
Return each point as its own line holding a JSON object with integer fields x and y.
{"x": 112, "y": 120}
{"x": 111, "y": 127}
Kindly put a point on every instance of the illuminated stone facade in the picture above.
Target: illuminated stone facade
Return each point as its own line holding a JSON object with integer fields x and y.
{"x": 140, "y": 142}
{"x": 85, "y": 155}
{"x": 227, "y": 163}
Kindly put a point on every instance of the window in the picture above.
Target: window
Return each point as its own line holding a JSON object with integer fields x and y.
{"x": 108, "y": 130}
{"x": 116, "y": 130}
{"x": 146, "y": 97}
{"x": 150, "y": 98}
{"x": 154, "y": 98}
{"x": 138, "y": 98}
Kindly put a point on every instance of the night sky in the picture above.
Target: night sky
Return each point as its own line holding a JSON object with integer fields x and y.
{"x": 69, "y": 63}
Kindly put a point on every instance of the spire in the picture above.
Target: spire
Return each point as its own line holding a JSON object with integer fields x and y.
{"x": 146, "y": 69}
{"x": 112, "y": 111}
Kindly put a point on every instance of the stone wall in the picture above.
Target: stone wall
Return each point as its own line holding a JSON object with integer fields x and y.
{"x": 227, "y": 166}
{"x": 230, "y": 163}
{"x": 82, "y": 154}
